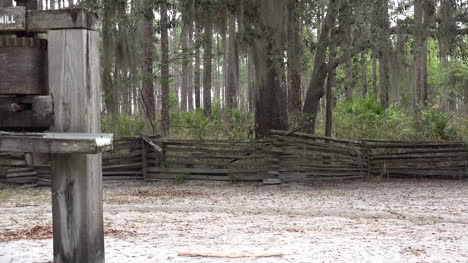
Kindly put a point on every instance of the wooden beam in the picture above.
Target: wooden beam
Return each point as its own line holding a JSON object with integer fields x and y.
{"x": 55, "y": 142}
{"x": 74, "y": 82}
{"x": 70, "y": 18}
{"x": 14, "y": 19}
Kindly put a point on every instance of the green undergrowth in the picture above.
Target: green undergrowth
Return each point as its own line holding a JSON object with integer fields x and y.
{"x": 365, "y": 118}
{"x": 223, "y": 124}
{"x": 230, "y": 124}
{"x": 122, "y": 125}
{"x": 357, "y": 119}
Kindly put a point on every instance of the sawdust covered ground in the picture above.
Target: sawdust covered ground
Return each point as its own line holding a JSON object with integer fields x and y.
{"x": 388, "y": 221}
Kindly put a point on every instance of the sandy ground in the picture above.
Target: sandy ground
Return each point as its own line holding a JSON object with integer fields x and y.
{"x": 388, "y": 221}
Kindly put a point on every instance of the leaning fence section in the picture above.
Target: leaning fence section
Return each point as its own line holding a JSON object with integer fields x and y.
{"x": 305, "y": 157}
{"x": 288, "y": 156}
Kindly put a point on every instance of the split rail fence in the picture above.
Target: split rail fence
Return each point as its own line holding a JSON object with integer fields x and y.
{"x": 291, "y": 157}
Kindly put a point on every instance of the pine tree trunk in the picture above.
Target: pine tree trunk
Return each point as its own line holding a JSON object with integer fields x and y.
{"x": 217, "y": 81}
{"x": 346, "y": 21}
{"x": 364, "y": 74}
{"x": 250, "y": 84}
{"x": 208, "y": 41}
{"x": 384, "y": 79}
{"x": 232, "y": 65}
{"x": 446, "y": 36}
{"x": 429, "y": 10}
{"x": 418, "y": 69}
{"x": 294, "y": 62}
{"x": 190, "y": 68}
{"x": 175, "y": 87}
{"x": 374, "y": 72}
{"x": 319, "y": 73}
{"x": 384, "y": 51}
{"x": 164, "y": 69}
{"x": 148, "y": 86}
{"x": 269, "y": 111}
{"x": 348, "y": 80}
{"x": 399, "y": 74}
{"x": 197, "y": 73}
{"x": 424, "y": 93}
{"x": 107, "y": 55}
{"x": 185, "y": 67}
{"x": 331, "y": 84}
{"x": 224, "y": 40}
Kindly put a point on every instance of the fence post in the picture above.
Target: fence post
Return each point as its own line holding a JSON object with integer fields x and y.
{"x": 368, "y": 157}
{"x": 275, "y": 162}
{"x": 144, "y": 158}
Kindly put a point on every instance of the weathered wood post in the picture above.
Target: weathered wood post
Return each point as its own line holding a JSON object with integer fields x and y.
{"x": 74, "y": 83}
{"x": 68, "y": 107}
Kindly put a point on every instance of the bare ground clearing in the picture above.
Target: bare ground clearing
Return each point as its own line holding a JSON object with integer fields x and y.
{"x": 389, "y": 221}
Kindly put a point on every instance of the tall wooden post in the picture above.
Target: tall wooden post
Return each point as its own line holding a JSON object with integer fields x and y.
{"x": 74, "y": 82}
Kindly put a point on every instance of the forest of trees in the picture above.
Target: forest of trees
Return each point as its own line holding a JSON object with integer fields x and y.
{"x": 239, "y": 68}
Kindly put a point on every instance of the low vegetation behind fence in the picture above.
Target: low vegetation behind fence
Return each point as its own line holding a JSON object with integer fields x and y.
{"x": 291, "y": 157}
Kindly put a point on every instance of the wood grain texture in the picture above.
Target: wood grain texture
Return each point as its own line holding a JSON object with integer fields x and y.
{"x": 24, "y": 66}
{"x": 39, "y": 144}
{"x": 74, "y": 82}
{"x": 69, "y": 18}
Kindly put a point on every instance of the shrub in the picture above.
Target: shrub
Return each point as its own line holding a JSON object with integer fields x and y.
{"x": 436, "y": 125}
{"x": 229, "y": 124}
{"x": 364, "y": 118}
{"x": 122, "y": 125}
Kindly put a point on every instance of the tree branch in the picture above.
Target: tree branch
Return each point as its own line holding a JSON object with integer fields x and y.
{"x": 348, "y": 54}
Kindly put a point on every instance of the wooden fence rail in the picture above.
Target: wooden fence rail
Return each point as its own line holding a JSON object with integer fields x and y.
{"x": 209, "y": 160}
{"x": 123, "y": 163}
{"x": 303, "y": 157}
{"x": 291, "y": 157}
{"x": 410, "y": 159}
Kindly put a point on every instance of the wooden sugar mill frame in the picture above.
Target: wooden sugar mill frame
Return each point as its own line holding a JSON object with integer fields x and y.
{"x": 50, "y": 106}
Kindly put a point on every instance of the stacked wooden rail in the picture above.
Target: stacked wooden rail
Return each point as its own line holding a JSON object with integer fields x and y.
{"x": 305, "y": 157}
{"x": 209, "y": 160}
{"x": 14, "y": 170}
{"x": 291, "y": 157}
{"x": 418, "y": 159}
{"x": 123, "y": 163}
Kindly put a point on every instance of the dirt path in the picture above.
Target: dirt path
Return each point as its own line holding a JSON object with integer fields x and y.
{"x": 394, "y": 221}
